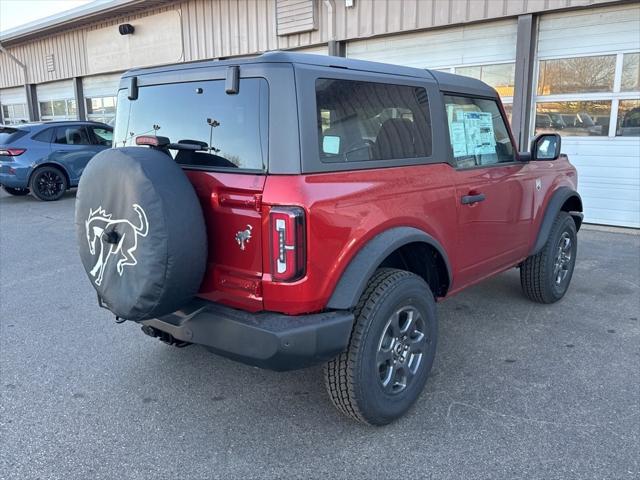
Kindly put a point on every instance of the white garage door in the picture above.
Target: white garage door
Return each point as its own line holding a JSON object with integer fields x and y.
{"x": 14, "y": 105}
{"x": 100, "y": 92}
{"x": 56, "y": 101}
{"x": 588, "y": 91}
{"x": 486, "y": 51}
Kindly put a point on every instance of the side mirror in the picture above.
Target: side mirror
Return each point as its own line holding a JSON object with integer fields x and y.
{"x": 546, "y": 147}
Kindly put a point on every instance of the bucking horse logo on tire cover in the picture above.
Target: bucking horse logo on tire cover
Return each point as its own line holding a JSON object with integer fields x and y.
{"x": 116, "y": 238}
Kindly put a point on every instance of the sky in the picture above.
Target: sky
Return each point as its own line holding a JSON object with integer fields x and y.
{"x": 14, "y": 13}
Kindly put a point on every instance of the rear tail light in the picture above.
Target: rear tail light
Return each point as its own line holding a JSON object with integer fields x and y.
{"x": 11, "y": 152}
{"x": 288, "y": 243}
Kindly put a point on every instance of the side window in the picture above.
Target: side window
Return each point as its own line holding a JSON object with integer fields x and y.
{"x": 71, "y": 136}
{"x": 102, "y": 136}
{"x": 477, "y": 132}
{"x": 43, "y": 136}
{"x": 361, "y": 121}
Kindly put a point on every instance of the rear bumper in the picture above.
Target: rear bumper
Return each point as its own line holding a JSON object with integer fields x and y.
{"x": 267, "y": 340}
{"x": 13, "y": 174}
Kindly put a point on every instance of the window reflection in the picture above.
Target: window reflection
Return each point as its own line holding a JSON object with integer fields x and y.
{"x": 574, "y": 118}
{"x": 577, "y": 75}
{"x": 231, "y": 130}
{"x": 499, "y": 76}
{"x": 628, "y": 124}
{"x": 630, "y": 72}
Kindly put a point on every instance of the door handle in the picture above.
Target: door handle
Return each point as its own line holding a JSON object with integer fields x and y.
{"x": 469, "y": 199}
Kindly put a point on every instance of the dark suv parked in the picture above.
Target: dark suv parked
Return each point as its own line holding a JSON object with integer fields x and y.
{"x": 48, "y": 158}
{"x": 291, "y": 209}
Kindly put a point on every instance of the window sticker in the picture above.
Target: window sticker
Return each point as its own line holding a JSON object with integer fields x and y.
{"x": 479, "y": 132}
{"x": 455, "y": 116}
{"x": 458, "y": 139}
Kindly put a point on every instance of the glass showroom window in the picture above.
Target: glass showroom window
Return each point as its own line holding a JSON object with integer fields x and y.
{"x": 101, "y": 109}
{"x": 58, "y": 110}
{"x": 594, "y": 96}
{"x": 15, "y": 113}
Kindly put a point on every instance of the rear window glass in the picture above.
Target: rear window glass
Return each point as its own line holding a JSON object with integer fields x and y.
{"x": 231, "y": 129}
{"x": 360, "y": 121}
{"x": 10, "y": 134}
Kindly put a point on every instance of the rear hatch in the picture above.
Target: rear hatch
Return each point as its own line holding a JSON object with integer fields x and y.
{"x": 8, "y": 136}
{"x": 220, "y": 140}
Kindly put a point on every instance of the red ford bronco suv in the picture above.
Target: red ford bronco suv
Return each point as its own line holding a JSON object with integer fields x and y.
{"x": 290, "y": 209}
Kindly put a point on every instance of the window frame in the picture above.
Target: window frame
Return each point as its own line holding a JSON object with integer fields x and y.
{"x": 452, "y": 161}
{"x": 306, "y": 76}
{"x": 614, "y": 96}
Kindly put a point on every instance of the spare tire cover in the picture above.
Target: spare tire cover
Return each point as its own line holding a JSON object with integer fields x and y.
{"x": 141, "y": 232}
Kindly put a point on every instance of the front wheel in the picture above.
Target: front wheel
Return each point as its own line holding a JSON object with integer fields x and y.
{"x": 545, "y": 276}
{"x": 18, "y": 192}
{"x": 391, "y": 350}
{"x": 48, "y": 184}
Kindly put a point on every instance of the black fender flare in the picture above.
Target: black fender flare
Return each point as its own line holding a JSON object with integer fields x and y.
{"x": 558, "y": 198}
{"x": 355, "y": 277}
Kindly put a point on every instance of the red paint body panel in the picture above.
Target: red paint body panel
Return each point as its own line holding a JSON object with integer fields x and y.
{"x": 344, "y": 210}
{"x": 231, "y": 203}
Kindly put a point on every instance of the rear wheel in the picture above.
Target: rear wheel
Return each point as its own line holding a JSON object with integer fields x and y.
{"x": 390, "y": 352}
{"x": 545, "y": 276}
{"x": 18, "y": 192}
{"x": 48, "y": 183}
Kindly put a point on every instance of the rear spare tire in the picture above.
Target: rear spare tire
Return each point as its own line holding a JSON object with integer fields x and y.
{"x": 140, "y": 232}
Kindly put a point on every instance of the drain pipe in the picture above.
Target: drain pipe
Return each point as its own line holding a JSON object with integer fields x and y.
{"x": 334, "y": 46}
{"x": 27, "y": 87}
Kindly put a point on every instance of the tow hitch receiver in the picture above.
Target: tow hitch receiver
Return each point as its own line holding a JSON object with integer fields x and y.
{"x": 163, "y": 336}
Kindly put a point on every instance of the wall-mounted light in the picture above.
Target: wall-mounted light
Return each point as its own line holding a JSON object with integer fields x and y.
{"x": 126, "y": 29}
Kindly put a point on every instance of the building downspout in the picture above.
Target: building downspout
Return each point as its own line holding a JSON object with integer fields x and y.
{"x": 334, "y": 45}
{"x": 28, "y": 90}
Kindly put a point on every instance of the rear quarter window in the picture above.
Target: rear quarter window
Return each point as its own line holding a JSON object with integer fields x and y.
{"x": 10, "y": 134}
{"x": 362, "y": 121}
{"x": 231, "y": 129}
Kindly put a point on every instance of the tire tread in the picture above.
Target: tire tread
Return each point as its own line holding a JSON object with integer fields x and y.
{"x": 339, "y": 372}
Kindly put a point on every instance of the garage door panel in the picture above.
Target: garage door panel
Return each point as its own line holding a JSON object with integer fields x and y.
{"x": 13, "y": 95}
{"x": 626, "y": 198}
{"x": 483, "y": 43}
{"x": 589, "y": 31}
{"x": 606, "y": 216}
{"x": 55, "y": 90}
{"x": 614, "y": 147}
{"x": 613, "y": 171}
{"x": 608, "y": 167}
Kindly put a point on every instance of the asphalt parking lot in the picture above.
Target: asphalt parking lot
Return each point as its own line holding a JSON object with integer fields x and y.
{"x": 518, "y": 390}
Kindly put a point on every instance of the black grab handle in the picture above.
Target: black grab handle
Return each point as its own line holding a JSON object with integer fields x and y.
{"x": 468, "y": 199}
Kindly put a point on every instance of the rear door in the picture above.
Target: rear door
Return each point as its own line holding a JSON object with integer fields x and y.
{"x": 494, "y": 191}
{"x": 73, "y": 147}
{"x": 220, "y": 140}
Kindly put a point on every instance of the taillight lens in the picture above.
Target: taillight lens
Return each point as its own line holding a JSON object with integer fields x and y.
{"x": 11, "y": 152}
{"x": 288, "y": 243}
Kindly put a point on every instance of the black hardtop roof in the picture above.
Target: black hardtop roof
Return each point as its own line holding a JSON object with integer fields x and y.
{"x": 446, "y": 81}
